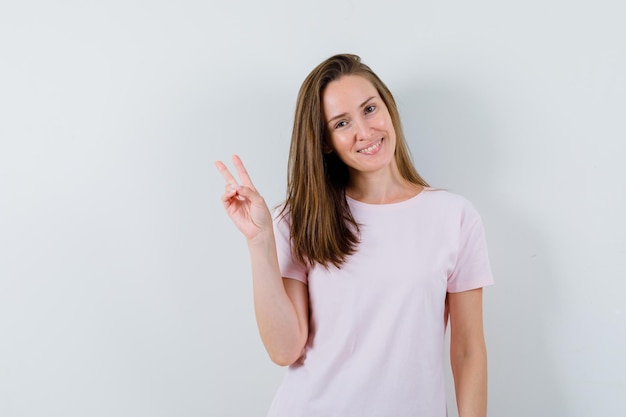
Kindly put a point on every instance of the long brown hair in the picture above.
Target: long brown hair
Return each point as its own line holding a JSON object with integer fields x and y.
{"x": 323, "y": 229}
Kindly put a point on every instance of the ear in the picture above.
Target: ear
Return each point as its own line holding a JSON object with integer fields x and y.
{"x": 326, "y": 148}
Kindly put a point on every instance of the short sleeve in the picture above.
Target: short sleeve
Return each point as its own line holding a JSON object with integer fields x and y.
{"x": 472, "y": 269}
{"x": 288, "y": 265}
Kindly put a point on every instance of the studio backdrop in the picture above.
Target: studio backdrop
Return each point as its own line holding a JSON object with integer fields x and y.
{"x": 125, "y": 290}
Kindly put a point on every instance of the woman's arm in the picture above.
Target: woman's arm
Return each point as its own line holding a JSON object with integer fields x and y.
{"x": 281, "y": 305}
{"x": 468, "y": 353}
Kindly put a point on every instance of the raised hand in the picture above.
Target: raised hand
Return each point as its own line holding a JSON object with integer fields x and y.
{"x": 243, "y": 203}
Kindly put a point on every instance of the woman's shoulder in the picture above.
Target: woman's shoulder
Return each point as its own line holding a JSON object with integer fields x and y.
{"x": 444, "y": 195}
{"x": 280, "y": 213}
{"x": 443, "y": 199}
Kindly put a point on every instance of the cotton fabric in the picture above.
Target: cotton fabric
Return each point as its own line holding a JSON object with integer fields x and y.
{"x": 377, "y": 326}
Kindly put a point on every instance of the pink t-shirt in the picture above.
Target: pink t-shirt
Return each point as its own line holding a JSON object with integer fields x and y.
{"x": 376, "y": 341}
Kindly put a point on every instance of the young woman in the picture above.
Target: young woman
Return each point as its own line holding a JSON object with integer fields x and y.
{"x": 356, "y": 276}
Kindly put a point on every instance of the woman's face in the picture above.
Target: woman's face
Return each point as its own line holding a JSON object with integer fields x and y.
{"x": 361, "y": 132}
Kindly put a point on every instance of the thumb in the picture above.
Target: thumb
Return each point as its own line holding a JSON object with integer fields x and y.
{"x": 250, "y": 194}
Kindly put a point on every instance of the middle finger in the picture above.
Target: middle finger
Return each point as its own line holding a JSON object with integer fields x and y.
{"x": 228, "y": 177}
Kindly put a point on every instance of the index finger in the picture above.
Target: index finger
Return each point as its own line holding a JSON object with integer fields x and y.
{"x": 243, "y": 174}
{"x": 221, "y": 167}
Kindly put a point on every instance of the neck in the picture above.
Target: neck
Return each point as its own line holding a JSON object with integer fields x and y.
{"x": 381, "y": 188}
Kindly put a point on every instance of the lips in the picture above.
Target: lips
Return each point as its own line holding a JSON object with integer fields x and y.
{"x": 373, "y": 148}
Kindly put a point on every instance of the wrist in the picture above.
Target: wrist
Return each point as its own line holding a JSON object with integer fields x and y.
{"x": 264, "y": 237}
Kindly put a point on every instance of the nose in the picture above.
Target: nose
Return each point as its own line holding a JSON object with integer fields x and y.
{"x": 362, "y": 129}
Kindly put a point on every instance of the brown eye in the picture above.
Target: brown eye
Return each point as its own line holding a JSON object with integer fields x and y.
{"x": 370, "y": 109}
{"x": 341, "y": 124}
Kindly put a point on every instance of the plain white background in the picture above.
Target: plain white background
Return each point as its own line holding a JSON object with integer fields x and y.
{"x": 124, "y": 288}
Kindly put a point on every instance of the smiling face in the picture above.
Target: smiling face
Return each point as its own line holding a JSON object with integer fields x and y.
{"x": 360, "y": 129}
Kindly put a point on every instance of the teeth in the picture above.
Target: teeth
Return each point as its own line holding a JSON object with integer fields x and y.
{"x": 370, "y": 148}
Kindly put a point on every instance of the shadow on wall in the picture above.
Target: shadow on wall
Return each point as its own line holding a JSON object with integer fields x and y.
{"x": 455, "y": 145}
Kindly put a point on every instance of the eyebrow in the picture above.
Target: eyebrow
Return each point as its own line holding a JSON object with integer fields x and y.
{"x": 345, "y": 114}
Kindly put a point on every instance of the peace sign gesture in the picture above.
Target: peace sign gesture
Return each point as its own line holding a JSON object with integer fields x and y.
{"x": 243, "y": 203}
